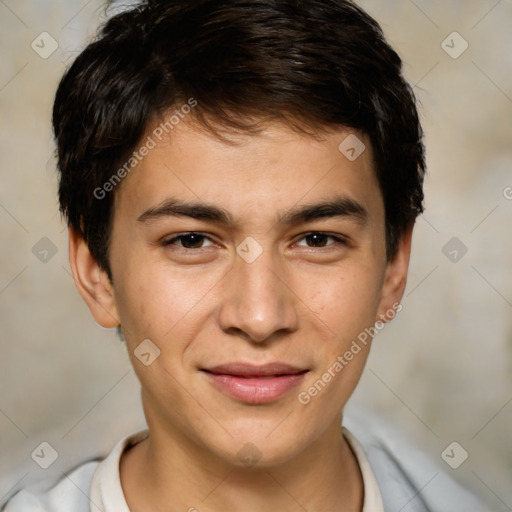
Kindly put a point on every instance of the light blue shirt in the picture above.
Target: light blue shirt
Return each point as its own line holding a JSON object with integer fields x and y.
{"x": 397, "y": 477}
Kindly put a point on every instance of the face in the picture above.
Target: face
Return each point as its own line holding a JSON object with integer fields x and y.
{"x": 252, "y": 267}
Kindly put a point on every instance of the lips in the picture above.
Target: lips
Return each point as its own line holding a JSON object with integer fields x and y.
{"x": 255, "y": 384}
{"x": 248, "y": 371}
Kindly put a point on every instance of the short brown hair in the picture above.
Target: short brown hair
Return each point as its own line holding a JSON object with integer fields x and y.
{"x": 316, "y": 63}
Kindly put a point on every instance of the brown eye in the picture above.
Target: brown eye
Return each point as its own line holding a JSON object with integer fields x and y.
{"x": 189, "y": 241}
{"x": 319, "y": 240}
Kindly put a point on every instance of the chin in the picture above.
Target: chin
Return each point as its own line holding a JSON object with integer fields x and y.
{"x": 262, "y": 448}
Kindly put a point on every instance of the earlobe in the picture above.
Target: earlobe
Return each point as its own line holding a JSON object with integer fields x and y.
{"x": 395, "y": 279}
{"x": 92, "y": 282}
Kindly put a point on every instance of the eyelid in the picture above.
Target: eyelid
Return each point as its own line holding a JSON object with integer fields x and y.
{"x": 339, "y": 238}
{"x": 166, "y": 241}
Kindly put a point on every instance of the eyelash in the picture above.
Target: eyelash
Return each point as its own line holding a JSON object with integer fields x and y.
{"x": 337, "y": 240}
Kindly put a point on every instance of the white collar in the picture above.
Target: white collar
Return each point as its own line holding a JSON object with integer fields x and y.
{"x": 107, "y": 493}
{"x": 372, "y": 497}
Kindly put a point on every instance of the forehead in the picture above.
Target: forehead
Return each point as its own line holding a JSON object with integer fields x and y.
{"x": 251, "y": 174}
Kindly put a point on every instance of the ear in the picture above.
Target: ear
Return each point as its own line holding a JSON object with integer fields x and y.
{"x": 395, "y": 279}
{"x": 92, "y": 282}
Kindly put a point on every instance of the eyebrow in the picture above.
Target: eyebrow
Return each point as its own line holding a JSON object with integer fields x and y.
{"x": 340, "y": 206}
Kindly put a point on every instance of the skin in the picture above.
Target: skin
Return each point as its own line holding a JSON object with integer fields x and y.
{"x": 302, "y": 301}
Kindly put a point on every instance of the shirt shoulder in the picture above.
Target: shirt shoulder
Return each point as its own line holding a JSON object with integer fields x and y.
{"x": 69, "y": 493}
{"x": 407, "y": 477}
{"x": 94, "y": 485}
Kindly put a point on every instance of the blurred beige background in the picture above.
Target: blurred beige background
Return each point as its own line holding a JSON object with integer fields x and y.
{"x": 441, "y": 370}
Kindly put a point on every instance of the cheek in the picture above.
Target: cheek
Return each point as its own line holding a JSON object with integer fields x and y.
{"x": 150, "y": 301}
{"x": 167, "y": 305}
{"x": 339, "y": 312}
{"x": 346, "y": 304}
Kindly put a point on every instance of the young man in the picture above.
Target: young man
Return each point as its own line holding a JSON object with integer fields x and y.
{"x": 241, "y": 180}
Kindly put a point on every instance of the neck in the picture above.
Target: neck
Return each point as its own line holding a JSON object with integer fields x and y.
{"x": 171, "y": 473}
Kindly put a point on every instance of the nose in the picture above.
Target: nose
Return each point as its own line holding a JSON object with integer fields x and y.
{"x": 257, "y": 301}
